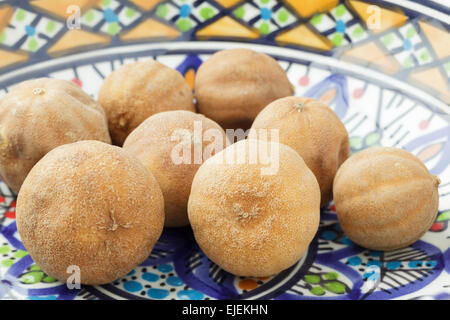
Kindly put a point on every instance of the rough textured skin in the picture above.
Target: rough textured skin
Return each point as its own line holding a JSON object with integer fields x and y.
{"x": 385, "y": 198}
{"x": 151, "y": 143}
{"x": 91, "y": 205}
{"x": 234, "y": 85}
{"x": 314, "y": 131}
{"x": 138, "y": 90}
{"x": 39, "y": 115}
{"x": 252, "y": 224}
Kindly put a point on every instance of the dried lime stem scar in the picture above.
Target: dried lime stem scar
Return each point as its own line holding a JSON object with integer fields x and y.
{"x": 38, "y": 91}
{"x": 437, "y": 181}
{"x": 299, "y": 106}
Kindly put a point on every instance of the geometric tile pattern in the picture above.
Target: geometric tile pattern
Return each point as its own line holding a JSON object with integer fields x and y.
{"x": 339, "y": 25}
{"x": 37, "y": 29}
{"x": 265, "y": 15}
{"x": 28, "y": 31}
{"x": 110, "y": 17}
{"x": 408, "y": 45}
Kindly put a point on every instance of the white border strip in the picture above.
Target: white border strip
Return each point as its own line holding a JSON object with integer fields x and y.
{"x": 333, "y": 63}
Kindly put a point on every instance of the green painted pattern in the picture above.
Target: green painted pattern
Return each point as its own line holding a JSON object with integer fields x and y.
{"x": 340, "y": 10}
{"x": 444, "y": 216}
{"x": 162, "y": 10}
{"x": 372, "y": 139}
{"x": 425, "y": 56}
{"x": 335, "y": 287}
{"x": 337, "y": 39}
{"x": 50, "y": 27}
{"x": 206, "y": 13}
{"x": 312, "y": 279}
{"x": 316, "y": 19}
{"x": 5, "y": 249}
{"x": 21, "y": 14}
{"x": 356, "y": 143}
{"x": 184, "y": 24}
{"x": 239, "y": 12}
{"x": 410, "y": 32}
{"x": 7, "y": 262}
{"x": 321, "y": 283}
{"x": 32, "y": 44}
{"x": 408, "y": 62}
{"x": 35, "y": 267}
{"x": 317, "y": 291}
{"x": 89, "y": 16}
{"x": 358, "y": 32}
{"x": 264, "y": 28}
{"x": 20, "y": 254}
{"x": 387, "y": 39}
{"x": 32, "y": 277}
{"x": 35, "y": 275}
{"x": 113, "y": 28}
{"x": 130, "y": 12}
{"x": 48, "y": 279}
{"x": 283, "y": 15}
{"x": 331, "y": 276}
{"x": 446, "y": 66}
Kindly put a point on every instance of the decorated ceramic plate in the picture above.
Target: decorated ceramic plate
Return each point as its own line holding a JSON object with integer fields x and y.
{"x": 383, "y": 66}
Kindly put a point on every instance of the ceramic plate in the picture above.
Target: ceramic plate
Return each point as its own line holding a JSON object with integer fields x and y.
{"x": 389, "y": 85}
